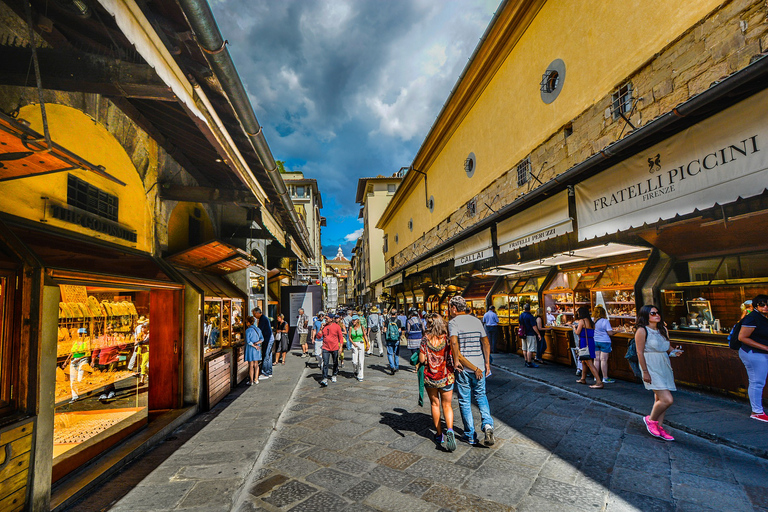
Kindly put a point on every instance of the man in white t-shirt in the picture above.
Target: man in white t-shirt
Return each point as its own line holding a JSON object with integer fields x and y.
{"x": 468, "y": 335}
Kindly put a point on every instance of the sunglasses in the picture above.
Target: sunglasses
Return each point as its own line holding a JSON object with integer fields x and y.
{"x": 761, "y": 304}
{"x": 654, "y": 313}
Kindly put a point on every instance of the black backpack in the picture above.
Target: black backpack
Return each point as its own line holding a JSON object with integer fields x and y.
{"x": 733, "y": 337}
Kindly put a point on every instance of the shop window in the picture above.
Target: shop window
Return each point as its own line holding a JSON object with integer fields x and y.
{"x": 523, "y": 172}
{"x": 707, "y": 295}
{"x": 85, "y": 196}
{"x": 621, "y": 101}
{"x": 102, "y": 370}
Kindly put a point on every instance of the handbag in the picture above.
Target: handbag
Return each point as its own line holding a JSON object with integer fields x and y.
{"x": 584, "y": 353}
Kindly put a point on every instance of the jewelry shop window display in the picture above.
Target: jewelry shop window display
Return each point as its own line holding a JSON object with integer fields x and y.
{"x": 212, "y": 329}
{"x": 102, "y": 368}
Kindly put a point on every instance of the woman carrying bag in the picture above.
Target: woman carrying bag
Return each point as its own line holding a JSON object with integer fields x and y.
{"x": 253, "y": 341}
{"x": 585, "y": 330}
{"x": 653, "y": 353}
{"x": 281, "y": 338}
{"x": 358, "y": 337}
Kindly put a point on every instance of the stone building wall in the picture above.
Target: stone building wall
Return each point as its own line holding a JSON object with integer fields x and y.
{"x": 719, "y": 45}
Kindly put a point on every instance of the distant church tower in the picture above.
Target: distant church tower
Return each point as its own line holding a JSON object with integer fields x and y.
{"x": 340, "y": 255}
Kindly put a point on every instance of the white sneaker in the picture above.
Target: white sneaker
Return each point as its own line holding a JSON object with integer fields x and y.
{"x": 111, "y": 395}
{"x": 103, "y": 396}
{"x": 333, "y": 379}
{"x": 263, "y": 377}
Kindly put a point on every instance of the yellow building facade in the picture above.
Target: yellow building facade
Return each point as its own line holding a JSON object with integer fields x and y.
{"x": 497, "y": 117}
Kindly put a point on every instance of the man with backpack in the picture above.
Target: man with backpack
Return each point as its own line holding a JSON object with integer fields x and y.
{"x": 375, "y": 326}
{"x": 392, "y": 334}
{"x": 414, "y": 332}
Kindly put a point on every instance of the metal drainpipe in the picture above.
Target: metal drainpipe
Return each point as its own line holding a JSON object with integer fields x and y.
{"x": 200, "y": 17}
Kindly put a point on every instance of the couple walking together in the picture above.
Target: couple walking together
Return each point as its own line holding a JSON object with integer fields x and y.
{"x": 457, "y": 356}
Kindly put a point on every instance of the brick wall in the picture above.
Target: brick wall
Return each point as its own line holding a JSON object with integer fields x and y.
{"x": 714, "y": 48}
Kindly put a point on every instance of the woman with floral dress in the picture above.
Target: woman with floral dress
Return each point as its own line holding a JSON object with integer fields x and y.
{"x": 435, "y": 355}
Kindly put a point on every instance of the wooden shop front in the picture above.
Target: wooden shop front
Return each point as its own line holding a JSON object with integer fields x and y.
{"x": 223, "y": 310}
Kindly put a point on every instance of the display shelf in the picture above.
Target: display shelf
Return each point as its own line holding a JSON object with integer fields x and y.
{"x": 621, "y": 302}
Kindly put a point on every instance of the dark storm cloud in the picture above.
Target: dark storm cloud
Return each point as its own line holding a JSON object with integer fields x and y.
{"x": 346, "y": 89}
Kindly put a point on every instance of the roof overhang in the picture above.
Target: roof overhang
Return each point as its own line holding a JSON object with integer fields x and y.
{"x": 215, "y": 257}
{"x": 26, "y": 153}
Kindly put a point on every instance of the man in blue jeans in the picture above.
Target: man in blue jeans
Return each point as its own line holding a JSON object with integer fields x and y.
{"x": 262, "y": 322}
{"x": 468, "y": 335}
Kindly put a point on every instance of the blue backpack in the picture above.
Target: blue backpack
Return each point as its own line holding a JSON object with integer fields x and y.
{"x": 733, "y": 337}
{"x": 393, "y": 331}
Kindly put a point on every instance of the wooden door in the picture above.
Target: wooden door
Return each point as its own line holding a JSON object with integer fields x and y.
{"x": 165, "y": 345}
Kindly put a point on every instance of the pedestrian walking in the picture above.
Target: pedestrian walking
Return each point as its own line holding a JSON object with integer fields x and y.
{"x": 585, "y": 332}
{"x": 332, "y": 341}
{"x": 302, "y": 328}
{"x": 491, "y": 323}
{"x": 469, "y": 344}
{"x": 283, "y": 343}
{"x": 414, "y": 333}
{"x": 435, "y": 355}
{"x": 253, "y": 341}
{"x": 317, "y": 337}
{"x": 603, "y": 333}
{"x": 541, "y": 342}
{"x": 359, "y": 339}
{"x": 347, "y": 322}
{"x": 653, "y": 353}
{"x": 531, "y": 335}
{"x": 340, "y": 321}
{"x": 262, "y": 322}
{"x": 403, "y": 320}
{"x": 375, "y": 328}
{"x": 392, "y": 339}
{"x": 753, "y": 336}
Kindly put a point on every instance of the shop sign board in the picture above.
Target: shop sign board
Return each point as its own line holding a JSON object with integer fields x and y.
{"x": 476, "y": 248}
{"x": 73, "y": 293}
{"x": 93, "y": 222}
{"x": 393, "y": 281}
{"x": 540, "y": 222}
{"x": 713, "y": 162}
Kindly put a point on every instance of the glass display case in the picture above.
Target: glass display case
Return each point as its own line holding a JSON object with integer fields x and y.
{"x": 615, "y": 291}
{"x": 708, "y": 295}
{"x": 524, "y": 291}
{"x": 102, "y": 368}
{"x": 502, "y": 304}
{"x": 237, "y": 323}
{"x": 212, "y": 327}
{"x": 560, "y": 298}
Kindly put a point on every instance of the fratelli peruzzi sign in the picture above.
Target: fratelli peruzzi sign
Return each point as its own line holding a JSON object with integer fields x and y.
{"x": 716, "y": 161}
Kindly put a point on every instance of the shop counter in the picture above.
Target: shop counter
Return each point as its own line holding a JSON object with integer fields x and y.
{"x": 218, "y": 376}
{"x": 240, "y": 366}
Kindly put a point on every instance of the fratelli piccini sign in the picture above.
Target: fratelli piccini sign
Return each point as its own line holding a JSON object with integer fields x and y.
{"x": 716, "y": 161}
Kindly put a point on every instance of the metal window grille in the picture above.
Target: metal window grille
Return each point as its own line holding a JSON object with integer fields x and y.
{"x": 549, "y": 81}
{"x": 523, "y": 172}
{"x": 472, "y": 207}
{"x": 621, "y": 100}
{"x": 85, "y": 196}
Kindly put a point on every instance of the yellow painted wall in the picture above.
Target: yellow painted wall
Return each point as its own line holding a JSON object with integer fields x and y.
{"x": 80, "y": 134}
{"x": 601, "y": 43}
{"x": 178, "y": 226}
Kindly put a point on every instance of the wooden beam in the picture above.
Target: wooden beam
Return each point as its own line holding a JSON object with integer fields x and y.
{"x": 207, "y": 195}
{"x": 72, "y": 70}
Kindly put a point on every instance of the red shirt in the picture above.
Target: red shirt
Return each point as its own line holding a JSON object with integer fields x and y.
{"x": 332, "y": 337}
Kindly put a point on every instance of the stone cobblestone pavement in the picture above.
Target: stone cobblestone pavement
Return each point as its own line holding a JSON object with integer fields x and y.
{"x": 362, "y": 446}
{"x": 367, "y": 446}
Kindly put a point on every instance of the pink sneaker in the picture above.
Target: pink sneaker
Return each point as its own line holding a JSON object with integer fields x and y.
{"x": 760, "y": 417}
{"x": 652, "y": 426}
{"x": 664, "y": 434}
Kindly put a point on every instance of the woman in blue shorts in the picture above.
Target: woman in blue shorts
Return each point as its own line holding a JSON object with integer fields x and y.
{"x": 603, "y": 333}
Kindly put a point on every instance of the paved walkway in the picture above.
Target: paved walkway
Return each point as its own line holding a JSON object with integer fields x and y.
{"x": 725, "y": 420}
{"x": 206, "y": 463}
{"x": 367, "y": 446}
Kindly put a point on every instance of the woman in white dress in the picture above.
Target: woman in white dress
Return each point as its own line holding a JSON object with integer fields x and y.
{"x": 653, "y": 353}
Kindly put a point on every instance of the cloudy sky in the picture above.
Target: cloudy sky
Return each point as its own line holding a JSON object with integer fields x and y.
{"x": 349, "y": 88}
